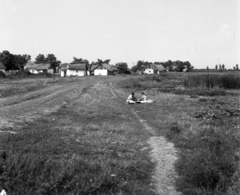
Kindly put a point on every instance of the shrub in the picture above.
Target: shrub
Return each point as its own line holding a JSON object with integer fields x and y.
{"x": 208, "y": 160}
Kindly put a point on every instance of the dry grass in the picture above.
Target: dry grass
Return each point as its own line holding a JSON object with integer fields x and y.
{"x": 92, "y": 145}
{"x": 208, "y": 145}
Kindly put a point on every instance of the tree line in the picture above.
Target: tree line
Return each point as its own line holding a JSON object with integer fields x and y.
{"x": 177, "y": 66}
{"x": 17, "y": 62}
{"x": 222, "y": 67}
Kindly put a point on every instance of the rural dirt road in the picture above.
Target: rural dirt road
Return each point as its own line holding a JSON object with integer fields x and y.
{"x": 28, "y": 106}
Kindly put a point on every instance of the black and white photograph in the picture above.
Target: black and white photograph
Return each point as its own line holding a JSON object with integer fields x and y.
{"x": 119, "y": 97}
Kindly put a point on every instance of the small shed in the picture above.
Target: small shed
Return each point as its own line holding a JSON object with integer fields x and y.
{"x": 102, "y": 69}
{"x": 2, "y": 68}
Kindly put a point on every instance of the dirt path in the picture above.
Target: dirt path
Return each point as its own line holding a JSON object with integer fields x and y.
{"x": 32, "y": 105}
{"x": 163, "y": 153}
{"x": 29, "y": 106}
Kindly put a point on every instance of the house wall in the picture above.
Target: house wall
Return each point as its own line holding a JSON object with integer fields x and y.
{"x": 62, "y": 73}
{"x": 149, "y": 71}
{"x": 76, "y": 73}
{"x": 102, "y": 72}
{"x": 51, "y": 71}
{"x": 33, "y": 71}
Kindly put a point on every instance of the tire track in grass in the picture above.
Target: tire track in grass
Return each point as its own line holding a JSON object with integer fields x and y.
{"x": 163, "y": 153}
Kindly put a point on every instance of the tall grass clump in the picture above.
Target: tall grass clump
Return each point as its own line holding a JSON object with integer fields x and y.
{"x": 211, "y": 81}
{"x": 208, "y": 161}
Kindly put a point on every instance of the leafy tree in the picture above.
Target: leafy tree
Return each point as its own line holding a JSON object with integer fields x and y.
{"x": 21, "y": 60}
{"x": 122, "y": 67}
{"x": 188, "y": 66}
{"x": 77, "y": 60}
{"x": 220, "y": 67}
{"x": 169, "y": 65}
{"x": 134, "y": 68}
{"x": 8, "y": 60}
{"x": 40, "y": 59}
{"x": 140, "y": 65}
{"x": 216, "y": 67}
{"x": 207, "y": 68}
{"x": 51, "y": 59}
{"x": 223, "y": 67}
{"x": 180, "y": 66}
{"x": 12, "y": 61}
{"x": 237, "y": 67}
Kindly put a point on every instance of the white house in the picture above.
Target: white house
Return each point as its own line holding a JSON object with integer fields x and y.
{"x": 38, "y": 68}
{"x": 73, "y": 70}
{"x": 2, "y": 68}
{"x": 102, "y": 69}
{"x": 149, "y": 71}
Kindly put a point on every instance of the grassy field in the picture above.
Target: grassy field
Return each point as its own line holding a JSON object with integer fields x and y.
{"x": 94, "y": 145}
{"x": 202, "y": 122}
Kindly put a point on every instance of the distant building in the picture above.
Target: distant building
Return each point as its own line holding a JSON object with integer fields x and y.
{"x": 149, "y": 71}
{"x": 2, "y": 68}
{"x": 102, "y": 69}
{"x": 73, "y": 70}
{"x": 158, "y": 68}
{"x": 38, "y": 68}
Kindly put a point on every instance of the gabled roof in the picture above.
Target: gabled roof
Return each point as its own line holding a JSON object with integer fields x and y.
{"x": 158, "y": 67}
{"x": 2, "y": 66}
{"x": 32, "y": 66}
{"x": 103, "y": 66}
{"x": 77, "y": 66}
{"x": 64, "y": 66}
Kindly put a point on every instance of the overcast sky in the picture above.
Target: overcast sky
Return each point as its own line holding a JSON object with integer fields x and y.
{"x": 200, "y": 31}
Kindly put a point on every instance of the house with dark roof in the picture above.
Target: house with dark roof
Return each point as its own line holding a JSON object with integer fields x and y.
{"x": 158, "y": 68}
{"x": 38, "y": 68}
{"x": 2, "y": 67}
{"x": 73, "y": 69}
{"x": 102, "y": 69}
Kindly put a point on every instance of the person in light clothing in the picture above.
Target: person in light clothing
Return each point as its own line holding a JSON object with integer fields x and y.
{"x": 131, "y": 99}
{"x": 144, "y": 97}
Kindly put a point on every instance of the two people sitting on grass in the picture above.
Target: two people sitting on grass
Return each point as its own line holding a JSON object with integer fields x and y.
{"x": 133, "y": 100}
